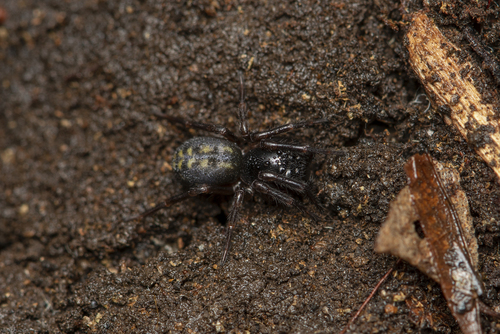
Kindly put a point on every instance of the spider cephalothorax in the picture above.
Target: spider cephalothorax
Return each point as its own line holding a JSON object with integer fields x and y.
{"x": 209, "y": 165}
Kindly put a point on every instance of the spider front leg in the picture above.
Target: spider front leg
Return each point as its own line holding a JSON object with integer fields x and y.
{"x": 192, "y": 192}
{"x": 242, "y": 110}
{"x": 256, "y": 136}
{"x": 296, "y": 185}
{"x": 282, "y": 198}
{"x": 260, "y": 135}
{"x": 214, "y": 128}
{"x": 274, "y": 146}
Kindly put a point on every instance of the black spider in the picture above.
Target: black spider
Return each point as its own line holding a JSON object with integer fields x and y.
{"x": 209, "y": 165}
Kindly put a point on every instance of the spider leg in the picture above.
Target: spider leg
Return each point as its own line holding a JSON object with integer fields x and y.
{"x": 214, "y": 128}
{"x": 233, "y": 216}
{"x": 296, "y": 185}
{"x": 282, "y": 198}
{"x": 192, "y": 192}
{"x": 274, "y": 146}
{"x": 242, "y": 109}
{"x": 259, "y": 135}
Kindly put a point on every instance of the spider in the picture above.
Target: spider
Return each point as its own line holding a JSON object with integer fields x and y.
{"x": 210, "y": 165}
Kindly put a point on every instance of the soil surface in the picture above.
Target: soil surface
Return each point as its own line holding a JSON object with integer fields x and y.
{"x": 81, "y": 152}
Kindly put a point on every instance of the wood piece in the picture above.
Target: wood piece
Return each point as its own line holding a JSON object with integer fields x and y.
{"x": 449, "y": 84}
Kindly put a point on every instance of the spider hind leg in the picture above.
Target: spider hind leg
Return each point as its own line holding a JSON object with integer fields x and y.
{"x": 192, "y": 192}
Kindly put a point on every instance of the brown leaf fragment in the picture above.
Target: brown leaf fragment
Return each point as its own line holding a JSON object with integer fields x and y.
{"x": 399, "y": 237}
{"x": 448, "y": 252}
{"x": 451, "y": 183}
{"x": 450, "y": 83}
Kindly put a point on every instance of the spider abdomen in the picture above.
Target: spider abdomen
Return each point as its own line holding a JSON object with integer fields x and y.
{"x": 207, "y": 160}
{"x": 289, "y": 164}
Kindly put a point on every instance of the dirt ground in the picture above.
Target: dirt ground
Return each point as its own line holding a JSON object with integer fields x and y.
{"x": 81, "y": 151}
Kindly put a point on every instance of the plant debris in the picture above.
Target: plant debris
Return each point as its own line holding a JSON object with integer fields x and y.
{"x": 448, "y": 251}
{"x": 453, "y": 84}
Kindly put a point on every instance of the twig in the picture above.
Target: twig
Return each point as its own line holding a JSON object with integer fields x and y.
{"x": 485, "y": 309}
{"x": 382, "y": 280}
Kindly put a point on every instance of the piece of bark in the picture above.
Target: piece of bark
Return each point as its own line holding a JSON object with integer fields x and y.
{"x": 448, "y": 252}
{"x": 450, "y": 86}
